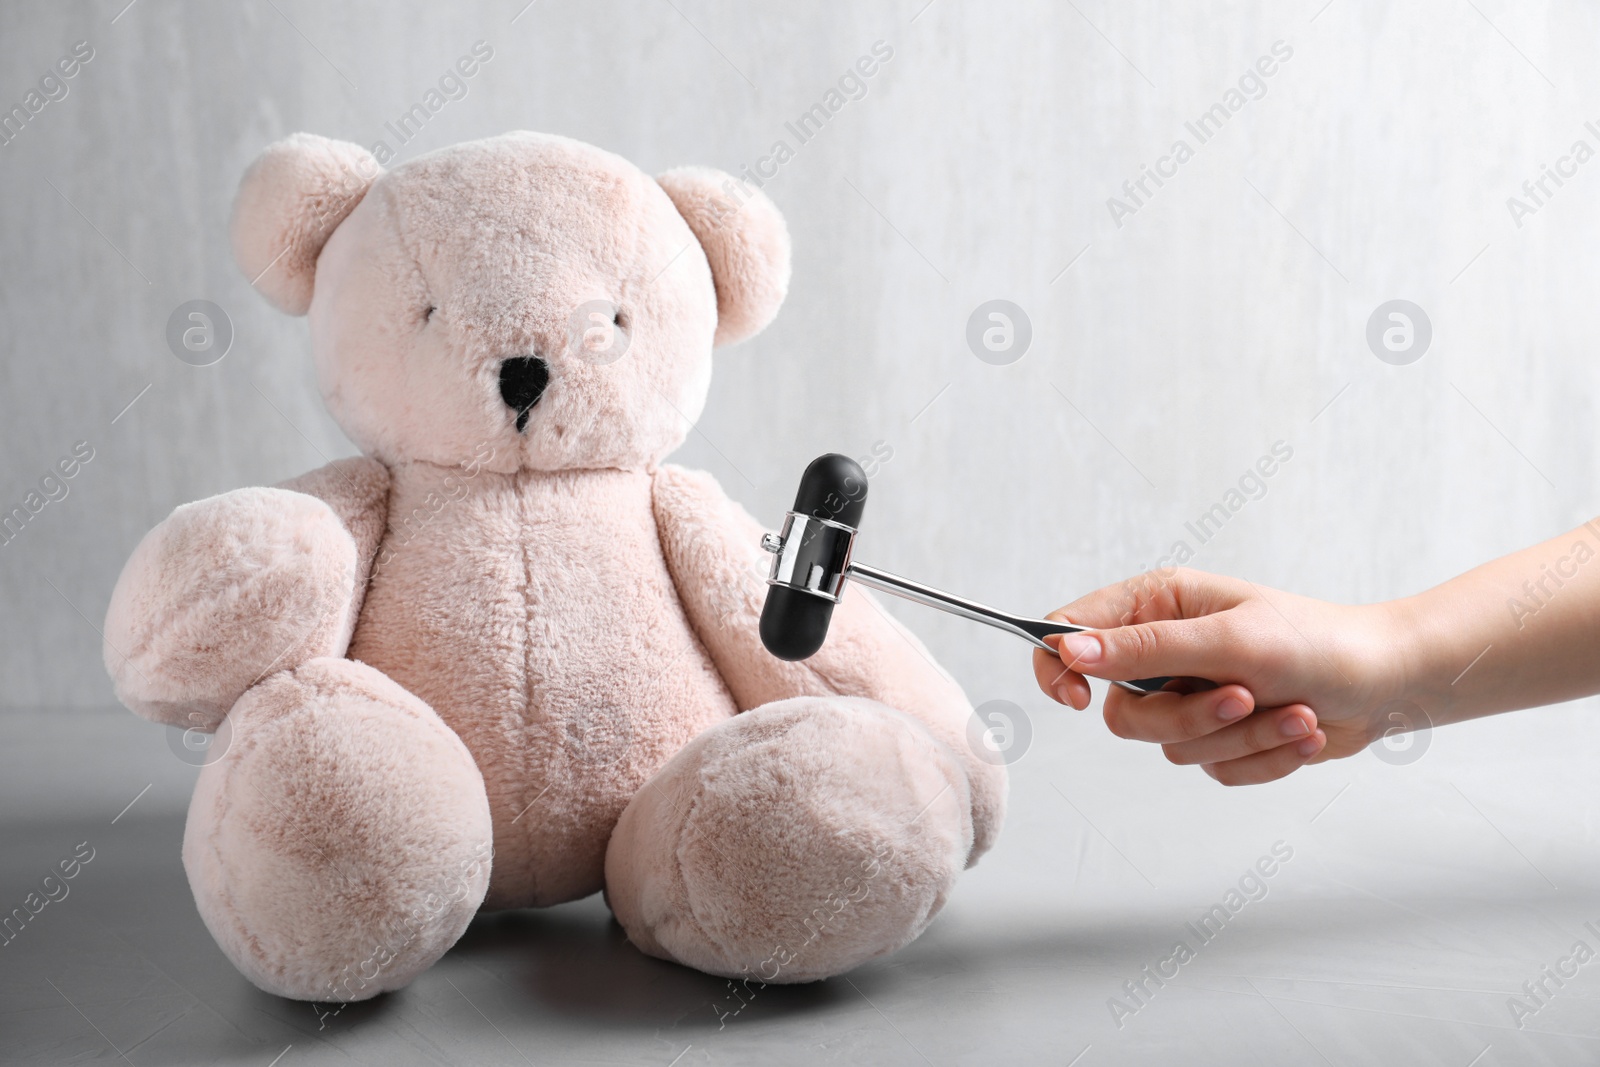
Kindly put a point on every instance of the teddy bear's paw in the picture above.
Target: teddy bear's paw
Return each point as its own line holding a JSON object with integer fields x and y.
{"x": 342, "y": 841}
{"x": 222, "y": 591}
{"x": 792, "y": 842}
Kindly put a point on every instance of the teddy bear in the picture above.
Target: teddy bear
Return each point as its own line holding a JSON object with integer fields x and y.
{"x": 508, "y": 656}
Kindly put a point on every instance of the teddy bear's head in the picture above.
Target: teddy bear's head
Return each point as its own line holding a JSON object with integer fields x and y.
{"x": 527, "y": 298}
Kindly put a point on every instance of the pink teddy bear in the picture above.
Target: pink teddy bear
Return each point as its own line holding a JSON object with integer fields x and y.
{"x": 508, "y": 657}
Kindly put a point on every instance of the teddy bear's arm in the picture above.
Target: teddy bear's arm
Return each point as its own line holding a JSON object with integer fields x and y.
{"x": 713, "y": 550}
{"x": 357, "y": 489}
{"x": 229, "y": 589}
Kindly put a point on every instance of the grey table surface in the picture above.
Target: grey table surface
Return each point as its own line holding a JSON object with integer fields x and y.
{"x": 1417, "y": 902}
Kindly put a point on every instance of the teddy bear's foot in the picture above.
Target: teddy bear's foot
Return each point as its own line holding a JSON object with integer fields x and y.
{"x": 342, "y": 842}
{"x": 792, "y": 842}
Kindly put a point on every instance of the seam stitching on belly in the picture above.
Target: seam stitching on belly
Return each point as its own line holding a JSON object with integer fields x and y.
{"x": 527, "y": 675}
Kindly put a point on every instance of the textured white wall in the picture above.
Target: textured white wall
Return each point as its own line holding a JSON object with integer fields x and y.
{"x": 1174, "y": 350}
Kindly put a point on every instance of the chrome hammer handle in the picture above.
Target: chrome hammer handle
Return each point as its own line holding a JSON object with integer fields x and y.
{"x": 1031, "y": 630}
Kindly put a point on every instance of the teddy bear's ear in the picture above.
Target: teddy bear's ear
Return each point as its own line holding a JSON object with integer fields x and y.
{"x": 745, "y": 241}
{"x": 290, "y": 200}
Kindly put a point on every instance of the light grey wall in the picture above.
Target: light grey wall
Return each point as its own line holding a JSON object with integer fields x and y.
{"x": 1168, "y": 353}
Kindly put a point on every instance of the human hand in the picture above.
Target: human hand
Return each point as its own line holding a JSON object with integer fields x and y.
{"x": 1269, "y": 658}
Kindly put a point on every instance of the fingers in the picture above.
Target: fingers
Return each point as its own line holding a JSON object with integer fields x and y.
{"x": 1270, "y": 765}
{"x": 1058, "y": 682}
{"x": 1203, "y": 648}
{"x": 1293, "y": 727}
{"x": 1170, "y": 717}
{"x": 1169, "y": 622}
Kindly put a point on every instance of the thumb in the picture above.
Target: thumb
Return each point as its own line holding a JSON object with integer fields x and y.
{"x": 1178, "y": 648}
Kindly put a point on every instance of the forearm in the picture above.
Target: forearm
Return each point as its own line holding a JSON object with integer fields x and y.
{"x": 1518, "y": 632}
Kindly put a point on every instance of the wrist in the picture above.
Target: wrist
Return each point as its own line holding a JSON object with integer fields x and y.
{"x": 1419, "y": 655}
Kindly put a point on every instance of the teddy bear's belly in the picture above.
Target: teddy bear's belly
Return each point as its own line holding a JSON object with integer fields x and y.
{"x": 535, "y": 613}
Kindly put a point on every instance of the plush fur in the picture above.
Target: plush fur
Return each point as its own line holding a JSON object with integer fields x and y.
{"x": 343, "y": 843}
{"x": 749, "y": 256}
{"x": 291, "y": 199}
{"x": 793, "y": 842}
{"x": 489, "y": 668}
{"x": 223, "y": 592}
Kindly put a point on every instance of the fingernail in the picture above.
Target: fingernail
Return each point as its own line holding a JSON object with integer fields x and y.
{"x": 1080, "y": 649}
{"x": 1308, "y": 747}
{"x": 1295, "y": 726}
{"x": 1063, "y": 694}
{"x": 1231, "y": 709}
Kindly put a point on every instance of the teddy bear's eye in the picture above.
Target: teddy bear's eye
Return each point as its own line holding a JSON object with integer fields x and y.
{"x": 427, "y": 316}
{"x": 620, "y": 318}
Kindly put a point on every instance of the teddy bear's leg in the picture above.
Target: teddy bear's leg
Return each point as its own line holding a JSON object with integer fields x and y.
{"x": 342, "y": 841}
{"x": 792, "y": 842}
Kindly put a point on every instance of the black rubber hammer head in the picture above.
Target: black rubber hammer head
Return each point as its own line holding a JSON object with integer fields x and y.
{"x": 811, "y": 558}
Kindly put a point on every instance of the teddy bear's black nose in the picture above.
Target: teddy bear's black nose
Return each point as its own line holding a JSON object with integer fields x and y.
{"x": 522, "y": 382}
